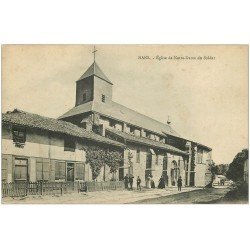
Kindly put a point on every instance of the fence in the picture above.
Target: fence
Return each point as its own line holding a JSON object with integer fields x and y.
{"x": 56, "y": 188}
{"x": 105, "y": 185}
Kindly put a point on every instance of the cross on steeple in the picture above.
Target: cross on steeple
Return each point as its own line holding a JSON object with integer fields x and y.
{"x": 94, "y": 53}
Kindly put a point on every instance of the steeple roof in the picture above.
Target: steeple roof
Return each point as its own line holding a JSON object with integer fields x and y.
{"x": 95, "y": 70}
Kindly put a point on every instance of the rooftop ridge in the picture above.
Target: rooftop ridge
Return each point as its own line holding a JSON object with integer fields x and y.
{"x": 94, "y": 70}
{"x": 32, "y": 120}
{"x": 144, "y": 115}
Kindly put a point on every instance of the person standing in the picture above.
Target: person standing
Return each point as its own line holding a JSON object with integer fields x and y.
{"x": 138, "y": 182}
{"x": 131, "y": 177}
{"x": 161, "y": 183}
{"x": 126, "y": 181}
{"x": 152, "y": 183}
{"x": 179, "y": 183}
{"x": 148, "y": 181}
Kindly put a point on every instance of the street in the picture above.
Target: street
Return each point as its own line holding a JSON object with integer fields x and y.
{"x": 201, "y": 196}
{"x": 146, "y": 196}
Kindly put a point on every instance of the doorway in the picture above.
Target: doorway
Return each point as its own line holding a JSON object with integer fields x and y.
{"x": 121, "y": 174}
{"x": 70, "y": 171}
{"x": 175, "y": 173}
{"x": 148, "y": 171}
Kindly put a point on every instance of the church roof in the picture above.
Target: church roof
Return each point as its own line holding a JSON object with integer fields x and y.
{"x": 22, "y": 118}
{"x": 95, "y": 70}
{"x": 119, "y": 112}
{"x": 146, "y": 141}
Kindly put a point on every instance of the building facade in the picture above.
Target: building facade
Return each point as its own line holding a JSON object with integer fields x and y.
{"x": 157, "y": 150}
{"x": 36, "y": 148}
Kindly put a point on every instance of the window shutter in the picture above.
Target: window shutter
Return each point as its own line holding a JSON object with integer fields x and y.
{"x": 45, "y": 169}
{"x": 39, "y": 171}
{"x": 60, "y": 171}
{"x": 79, "y": 171}
{"x": 52, "y": 170}
{"x": 4, "y": 169}
{"x": 23, "y": 172}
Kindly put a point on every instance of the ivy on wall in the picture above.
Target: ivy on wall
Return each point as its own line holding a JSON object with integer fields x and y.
{"x": 98, "y": 157}
{"x": 130, "y": 157}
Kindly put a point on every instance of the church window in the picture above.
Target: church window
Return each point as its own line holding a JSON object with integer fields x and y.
{"x": 147, "y": 134}
{"x": 84, "y": 97}
{"x": 156, "y": 159}
{"x": 69, "y": 144}
{"x": 103, "y": 98}
{"x": 138, "y": 155}
{"x": 112, "y": 124}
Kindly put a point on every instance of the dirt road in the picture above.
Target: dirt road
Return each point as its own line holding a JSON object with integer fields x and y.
{"x": 202, "y": 196}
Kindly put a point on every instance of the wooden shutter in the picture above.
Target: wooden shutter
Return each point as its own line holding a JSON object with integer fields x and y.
{"x": 21, "y": 169}
{"x": 52, "y": 170}
{"x": 60, "y": 171}
{"x": 79, "y": 171}
{"x": 4, "y": 169}
{"x": 39, "y": 170}
{"x": 45, "y": 169}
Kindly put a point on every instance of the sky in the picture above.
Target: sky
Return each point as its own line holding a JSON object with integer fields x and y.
{"x": 206, "y": 99}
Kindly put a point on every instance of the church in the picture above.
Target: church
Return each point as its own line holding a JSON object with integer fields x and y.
{"x": 36, "y": 147}
{"x": 155, "y": 148}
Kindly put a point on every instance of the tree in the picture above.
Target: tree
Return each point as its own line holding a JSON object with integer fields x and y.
{"x": 213, "y": 169}
{"x": 222, "y": 169}
{"x": 236, "y": 167}
{"x": 98, "y": 157}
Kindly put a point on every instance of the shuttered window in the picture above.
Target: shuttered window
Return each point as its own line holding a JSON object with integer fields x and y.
{"x": 4, "y": 170}
{"x": 79, "y": 174}
{"x": 21, "y": 169}
{"x": 42, "y": 170}
{"x": 60, "y": 171}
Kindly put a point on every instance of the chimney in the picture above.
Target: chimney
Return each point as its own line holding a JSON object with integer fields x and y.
{"x": 168, "y": 121}
{"x": 102, "y": 130}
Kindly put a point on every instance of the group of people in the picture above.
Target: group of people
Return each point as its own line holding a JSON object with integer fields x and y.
{"x": 129, "y": 180}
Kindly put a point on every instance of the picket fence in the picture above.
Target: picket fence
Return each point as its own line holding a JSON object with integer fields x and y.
{"x": 56, "y": 188}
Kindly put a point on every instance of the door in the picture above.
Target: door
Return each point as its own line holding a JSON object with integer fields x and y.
{"x": 165, "y": 168}
{"x": 175, "y": 173}
{"x": 70, "y": 172}
{"x": 148, "y": 171}
{"x": 121, "y": 174}
{"x": 173, "y": 181}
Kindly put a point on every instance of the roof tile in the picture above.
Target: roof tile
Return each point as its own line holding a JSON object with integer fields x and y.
{"x": 23, "y": 118}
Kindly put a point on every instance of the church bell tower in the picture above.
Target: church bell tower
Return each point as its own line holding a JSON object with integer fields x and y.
{"x": 93, "y": 85}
